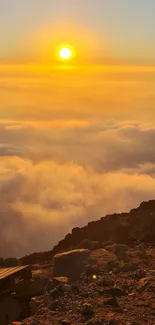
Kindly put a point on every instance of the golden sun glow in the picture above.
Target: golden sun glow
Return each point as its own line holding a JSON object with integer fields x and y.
{"x": 65, "y": 53}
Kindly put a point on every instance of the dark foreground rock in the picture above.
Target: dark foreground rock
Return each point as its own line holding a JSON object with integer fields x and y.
{"x": 70, "y": 264}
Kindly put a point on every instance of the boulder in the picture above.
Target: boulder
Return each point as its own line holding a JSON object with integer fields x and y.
{"x": 70, "y": 264}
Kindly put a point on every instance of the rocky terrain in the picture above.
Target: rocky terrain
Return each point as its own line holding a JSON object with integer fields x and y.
{"x": 131, "y": 228}
{"x": 102, "y": 274}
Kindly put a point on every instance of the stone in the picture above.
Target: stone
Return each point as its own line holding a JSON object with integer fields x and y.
{"x": 129, "y": 268}
{"x": 55, "y": 293}
{"x": 53, "y": 305}
{"x": 151, "y": 273}
{"x": 59, "y": 280}
{"x": 140, "y": 274}
{"x": 87, "y": 309}
{"x": 70, "y": 264}
{"x": 34, "y": 304}
{"x": 119, "y": 250}
{"x": 115, "y": 292}
{"x": 34, "y": 322}
{"x": 111, "y": 265}
{"x": 65, "y": 322}
{"x": 110, "y": 301}
{"x": 91, "y": 269}
{"x": 16, "y": 323}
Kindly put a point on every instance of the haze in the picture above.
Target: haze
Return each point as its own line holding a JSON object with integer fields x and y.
{"x": 77, "y": 141}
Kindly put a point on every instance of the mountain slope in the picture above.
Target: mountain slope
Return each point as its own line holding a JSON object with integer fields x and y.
{"x": 131, "y": 228}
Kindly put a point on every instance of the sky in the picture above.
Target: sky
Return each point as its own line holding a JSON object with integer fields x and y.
{"x": 77, "y": 140}
{"x": 124, "y": 29}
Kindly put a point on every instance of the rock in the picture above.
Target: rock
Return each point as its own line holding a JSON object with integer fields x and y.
{"x": 53, "y": 305}
{"x": 110, "y": 301}
{"x": 55, "y": 282}
{"x": 119, "y": 250}
{"x": 111, "y": 265}
{"x": 91, "y": 269}
{"x": 106, "y": 282}
{"x": 129, "y": 268}
{"x": 87, "y": 309}
{"x": 65, "y": 322}
{"x": 59, "y": 280}
{"x": 151, "y": 273}
{"x": 70, "y": 264}
{"x": 34, "y": 304}
{"x": 140, "y": 274}
{"x": 16, "y": 323}
{"x": 115, "y": 292}
{"x": 55, "y": 293}
{"x": 34, "y": 322}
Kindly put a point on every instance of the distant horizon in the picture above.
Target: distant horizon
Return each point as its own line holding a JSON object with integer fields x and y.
{"x": 87, "y": 61}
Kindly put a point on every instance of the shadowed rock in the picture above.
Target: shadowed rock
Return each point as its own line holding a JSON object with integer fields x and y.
{"x": 70, "y": 264}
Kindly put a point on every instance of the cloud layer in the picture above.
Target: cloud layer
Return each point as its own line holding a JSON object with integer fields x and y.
{"x": 74, "y": 146}
{"x": 52, "y": 181}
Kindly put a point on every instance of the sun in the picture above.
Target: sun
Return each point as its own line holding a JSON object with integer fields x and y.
{"x": 65, "y": 53}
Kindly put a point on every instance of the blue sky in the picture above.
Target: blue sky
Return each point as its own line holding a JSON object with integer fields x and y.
{"x": 127, "y": 26}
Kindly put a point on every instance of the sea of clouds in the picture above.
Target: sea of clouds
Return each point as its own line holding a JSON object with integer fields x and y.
{"x": 62, "y": 166}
